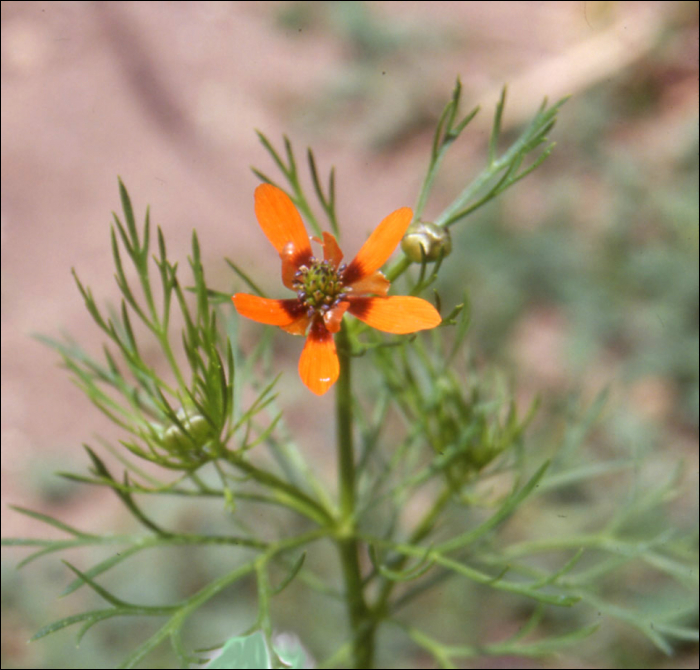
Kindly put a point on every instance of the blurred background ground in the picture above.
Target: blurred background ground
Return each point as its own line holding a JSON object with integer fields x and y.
{"x": 583, "y": 276}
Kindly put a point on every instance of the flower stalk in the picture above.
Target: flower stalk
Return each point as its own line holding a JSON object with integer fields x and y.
{"x": 348, "y": 544}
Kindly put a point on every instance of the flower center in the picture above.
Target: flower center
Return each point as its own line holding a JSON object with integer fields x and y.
{"x": 319, "y": 286}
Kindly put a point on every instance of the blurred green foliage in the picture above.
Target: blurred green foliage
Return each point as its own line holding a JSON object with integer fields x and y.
{"x": 627, "y": 285}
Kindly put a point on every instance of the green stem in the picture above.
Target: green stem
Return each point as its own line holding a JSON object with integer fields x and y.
{"x": 425, "y": 526}
{"x": 361, "y": 620}
{"x": 283, "y": 492}
{"x": 346, "y": 457}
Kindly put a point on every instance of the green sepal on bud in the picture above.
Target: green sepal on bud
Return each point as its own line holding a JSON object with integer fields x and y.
{"x": 426, "y": 240}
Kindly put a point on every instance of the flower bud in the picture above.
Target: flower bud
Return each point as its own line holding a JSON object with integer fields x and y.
{"x": 198, "y": 430}
{"x": 433, "y": 240}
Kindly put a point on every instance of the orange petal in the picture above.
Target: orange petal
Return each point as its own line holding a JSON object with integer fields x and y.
{"x": 396, "y": 314}
{"x": 298, "y": 327}
{"x": 280, "y": 220}
{"x": 376, "y": 284}
{"x": 265, "y": 310}
{"x": 331, "y": 250}
{"x": 291, "y": 261}
{"x": 333, "y": 317}
{"x": 319, "y": 366}
{"x": 380, "y": 245}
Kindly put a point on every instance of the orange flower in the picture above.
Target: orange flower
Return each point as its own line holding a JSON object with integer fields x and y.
{"x": 327, "y": 288}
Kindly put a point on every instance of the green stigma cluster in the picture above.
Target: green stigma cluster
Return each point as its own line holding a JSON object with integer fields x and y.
{"x": 319, "y": 285}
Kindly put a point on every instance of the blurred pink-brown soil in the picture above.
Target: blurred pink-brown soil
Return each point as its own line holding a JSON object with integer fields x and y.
{"x": 168, "y": 96}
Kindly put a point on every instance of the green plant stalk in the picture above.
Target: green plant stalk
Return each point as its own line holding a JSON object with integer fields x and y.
{"x": 362, "y": 626}
{"x": 423, "y": 529}
{"x": 284, "y": 492}
{"x": 450, "y": 214}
